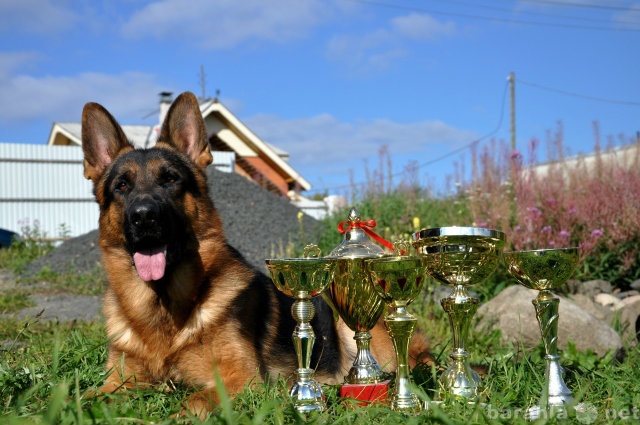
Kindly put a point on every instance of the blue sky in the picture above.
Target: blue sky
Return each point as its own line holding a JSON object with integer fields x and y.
{"x": 334, "y": 81}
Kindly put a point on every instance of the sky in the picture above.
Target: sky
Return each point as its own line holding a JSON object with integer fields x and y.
{"x": 335, "y": 83}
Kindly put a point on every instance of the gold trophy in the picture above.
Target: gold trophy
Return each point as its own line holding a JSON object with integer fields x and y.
{"x": 302, "y": 279}
{"x": 356, "y": 301}
{"x": 460, "y": 257}
{"x": 398, "y": 280}
{"x": 544, "y": 270}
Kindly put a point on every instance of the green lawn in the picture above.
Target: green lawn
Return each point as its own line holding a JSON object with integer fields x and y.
{"x": 48, "y": 371}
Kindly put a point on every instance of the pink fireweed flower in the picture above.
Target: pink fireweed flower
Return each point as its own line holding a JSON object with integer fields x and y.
{"x": 573, "y": 211}
{"x": 564, "y": 234}
{"x": 535, "y": 212}
{"x": 546, "y": 229}
{"x": 596, "y": 233}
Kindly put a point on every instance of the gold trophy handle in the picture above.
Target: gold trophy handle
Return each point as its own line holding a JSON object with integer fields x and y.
{"x": 401, "y": 247}
{"x": 311, "y": 251}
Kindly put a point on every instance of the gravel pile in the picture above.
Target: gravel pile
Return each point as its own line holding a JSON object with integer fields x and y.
{"x": 257, "y": 223}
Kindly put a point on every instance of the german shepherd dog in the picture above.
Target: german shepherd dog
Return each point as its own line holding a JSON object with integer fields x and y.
{"x": 182, "y": 305}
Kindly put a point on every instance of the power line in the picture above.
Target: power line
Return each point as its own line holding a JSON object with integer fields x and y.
{"x": 497, "y": 19}
{"x": 581, "y": 96}
{"x": 585, "y": 5}
{"x": 448, "y": 154}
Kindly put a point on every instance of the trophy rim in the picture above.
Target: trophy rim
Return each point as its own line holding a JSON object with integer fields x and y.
{"x": 269, "y": 261}
{"x": 542, "y": 250}
{"x": 459, "y": 231}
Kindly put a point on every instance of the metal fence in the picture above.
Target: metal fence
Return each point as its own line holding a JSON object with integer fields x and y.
{"x": 44, "y": 185}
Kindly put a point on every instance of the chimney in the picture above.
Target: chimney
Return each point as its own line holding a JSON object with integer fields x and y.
{"x": 166, "y": 97}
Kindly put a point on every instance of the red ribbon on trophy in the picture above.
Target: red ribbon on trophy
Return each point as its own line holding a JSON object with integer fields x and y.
{"x": 366, "y": 225}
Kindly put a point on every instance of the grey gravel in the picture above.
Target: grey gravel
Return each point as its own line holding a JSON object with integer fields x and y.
{"x": 256, "y": 222}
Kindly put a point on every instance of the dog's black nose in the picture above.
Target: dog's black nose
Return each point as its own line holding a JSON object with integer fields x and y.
{"x": 144, "y": 214}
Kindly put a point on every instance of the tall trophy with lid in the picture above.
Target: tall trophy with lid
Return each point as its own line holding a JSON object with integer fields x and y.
{"x": 356, "y": 301}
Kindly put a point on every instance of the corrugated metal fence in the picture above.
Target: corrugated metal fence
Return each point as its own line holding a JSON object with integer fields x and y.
{"x": 45, "y": 185}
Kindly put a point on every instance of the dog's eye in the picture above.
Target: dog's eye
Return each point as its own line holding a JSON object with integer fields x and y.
{"x": 169, "y": 178}
{"x": 121, "y": 186}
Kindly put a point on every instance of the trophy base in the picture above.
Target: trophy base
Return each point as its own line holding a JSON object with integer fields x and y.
{"x": 365, "y": 394}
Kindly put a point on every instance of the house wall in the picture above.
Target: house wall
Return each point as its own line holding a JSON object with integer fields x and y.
{"x": 268, "y": 172}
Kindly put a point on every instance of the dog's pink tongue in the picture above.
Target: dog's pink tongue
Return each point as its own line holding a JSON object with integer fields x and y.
{"x": 150, "y": 265}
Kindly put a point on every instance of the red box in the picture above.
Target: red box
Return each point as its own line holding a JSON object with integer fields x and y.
{"x": 365, "y": 394}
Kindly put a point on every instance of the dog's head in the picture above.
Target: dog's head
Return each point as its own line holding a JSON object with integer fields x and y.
{"x": 149, "y": 199}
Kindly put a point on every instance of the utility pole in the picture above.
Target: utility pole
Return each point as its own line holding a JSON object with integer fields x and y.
{"x": 512, "y": 87}
{"x": 203, "y": 83}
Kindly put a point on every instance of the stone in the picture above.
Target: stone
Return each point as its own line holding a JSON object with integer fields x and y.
{"x": 607, "y": 300}
{"x": 627, "y": 294}
{"x": 513, "y": 313}
{"x": 629, "y": 311}
{"x": 635, "y": 285}
{"x": 590, "y": 287}
{"x": 599, "y": 311}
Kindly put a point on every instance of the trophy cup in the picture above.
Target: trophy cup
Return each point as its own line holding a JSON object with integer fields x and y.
{"x": 460, "y": 257}
{"x": 544, "y": 270}
{"x": 302, "y": 279}
{"x": 356, "y": 301}
{"x": 398, "y": 280}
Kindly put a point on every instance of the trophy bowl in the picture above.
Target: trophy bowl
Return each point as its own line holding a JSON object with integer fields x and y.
{"x": 544, "y": 270}
{"x": 302, "y": 279}
{"x": 360, "y": 307}
{"x": 460, "y": 257}
{"x": 399, "y": 280}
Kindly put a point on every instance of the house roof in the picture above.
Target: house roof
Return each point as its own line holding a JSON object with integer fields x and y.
{"x": 219, "y": 121}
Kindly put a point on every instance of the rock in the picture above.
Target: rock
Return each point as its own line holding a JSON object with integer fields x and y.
{"x": 607, "y": 300}
{"x": 627, "y": 294}
{"x": 599, "y": 311}
{"x": 635, "y": 285}
{"x": 590, "y": 287}
{"x": 513, "y": 313}
{"x": 629, "y": 310}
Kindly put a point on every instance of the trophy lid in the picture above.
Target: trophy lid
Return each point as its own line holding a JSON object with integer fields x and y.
{"x": 356, "y": 243}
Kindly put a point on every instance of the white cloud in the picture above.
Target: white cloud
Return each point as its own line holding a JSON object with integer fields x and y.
{"x": 129, "y": 95}
{"x": 421, "y": 27}
{"x": 12, "y": 61}
{"x": 225, "y": 23}
{"x": 36, "y": 16}
{"x": 326, "y": 142}
{"x": 378, "y": 49}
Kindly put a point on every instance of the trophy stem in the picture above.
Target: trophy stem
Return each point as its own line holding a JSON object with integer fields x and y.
{"x": 555, "y": 392}
{"x": 400, "y": 326}
{"x": 306, "y": 393}
{"x": 365, "y": 369}
{"x": 459, "y": 379}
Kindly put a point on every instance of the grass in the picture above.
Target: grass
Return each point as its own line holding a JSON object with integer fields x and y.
{"x": 49, "y": 370}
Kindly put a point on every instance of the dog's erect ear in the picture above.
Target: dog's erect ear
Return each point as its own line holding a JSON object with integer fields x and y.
{"x": 102, "y": 140}
{"x": 184, "y": 129}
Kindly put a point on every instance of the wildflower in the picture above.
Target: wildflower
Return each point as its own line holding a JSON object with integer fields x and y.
{"x": 546, "y": 229}
{"x": 517, "y": 228}
{"x": 416, "y": 223}
{"x": 515, "y": 154}
{"x": 596, "y": 233}
{"x": 535, "y": 212}
{"x": 552, "y": 244}
{"x": 573, "y": 211}
{"x": 564, "y": 234}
